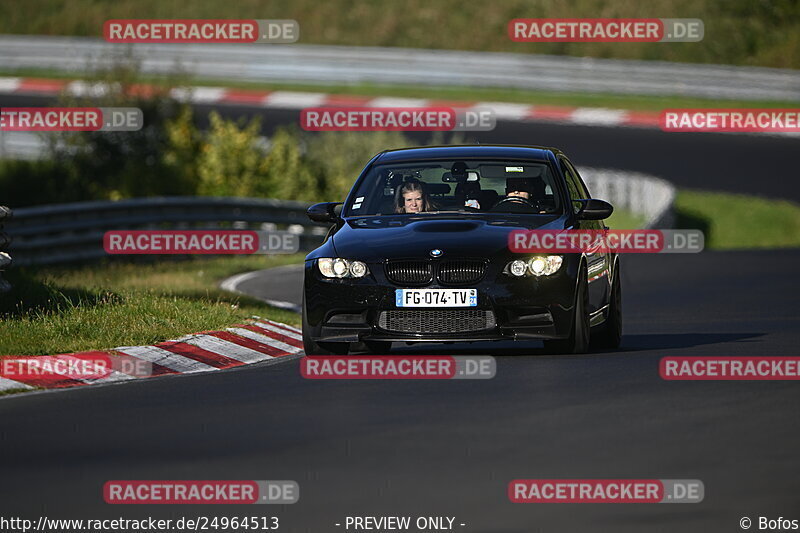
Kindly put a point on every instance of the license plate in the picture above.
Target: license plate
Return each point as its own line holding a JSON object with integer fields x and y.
{"x": 436, "y": 297}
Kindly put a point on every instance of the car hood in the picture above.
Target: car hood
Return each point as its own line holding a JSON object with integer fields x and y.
{"x": 387, "y": 237}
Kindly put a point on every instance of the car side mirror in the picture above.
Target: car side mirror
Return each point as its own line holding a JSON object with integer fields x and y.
{"x": 324, "y": 212}
{"x": 594, "y": 209}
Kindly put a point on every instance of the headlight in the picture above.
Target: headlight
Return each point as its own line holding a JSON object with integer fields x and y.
{"x": 517, "y": 268}
{"x": 537, "y": 266}
{"x": 358, "y": 269}
{"x": 336, "y": 267}
{"x": 540, "y": 265}
{"x": 553, "y": 264}
{"x": 326, "y": 267}
{"x": 340, "y": 268}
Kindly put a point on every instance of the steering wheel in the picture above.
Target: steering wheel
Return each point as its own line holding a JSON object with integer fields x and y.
{"x": 518, "y": 200}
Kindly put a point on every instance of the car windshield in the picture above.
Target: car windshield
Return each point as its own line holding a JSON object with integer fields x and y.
{"x": 469, "y": 186}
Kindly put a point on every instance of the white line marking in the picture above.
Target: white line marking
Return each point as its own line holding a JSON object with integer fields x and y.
{"x": 165, "y": 358}
{"x": 9, "y": 85}
{"x": 598, "y": 115}
{"x": 228, "y": 349}
{"x": 198, "y": 94}
{"x": 264, "y": 339}
{"x": 294, "y": 99}
{"x": 114, "y": 375}
{"x": 10, "y": 384}
{"x": 84, "y": 88}
{"x": 397, "y": 102}
{"x": 284, "y": 326}
{"x": 280, "y": 304}
{"x": 280, "y": 329}
{"x": 507, "y": 111}
{"x": 110, "y": 375}
{"x": 233, "y": 282}
{"x": 278, "y": 324}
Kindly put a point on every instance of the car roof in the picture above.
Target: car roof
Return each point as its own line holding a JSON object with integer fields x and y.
{"x": 488, "y": 151}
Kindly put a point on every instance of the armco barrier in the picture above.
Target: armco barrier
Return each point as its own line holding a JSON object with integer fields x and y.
{"x": 63, "y": 233}
{"x": 314, "y": 64}
{"x": 5, "y": 258}
{"x": 641, "y": 194}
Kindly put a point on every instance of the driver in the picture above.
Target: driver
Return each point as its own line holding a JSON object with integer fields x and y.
{"x": 519, "y": 187}
{"x": 521, "y": 196}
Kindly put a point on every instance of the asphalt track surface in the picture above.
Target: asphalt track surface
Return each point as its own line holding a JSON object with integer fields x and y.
{"x": 450, "y": 448}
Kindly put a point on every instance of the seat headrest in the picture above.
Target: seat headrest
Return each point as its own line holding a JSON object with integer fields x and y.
{"x": 437, "y": 188}
{"x": 533, "y": 186}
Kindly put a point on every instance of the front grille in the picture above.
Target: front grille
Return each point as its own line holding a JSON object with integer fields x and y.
{"x": 409, "y": 272}
{"x": 437, "y": 321}
{"x": 460, "y": 271}
{"x": 448, "y": 272}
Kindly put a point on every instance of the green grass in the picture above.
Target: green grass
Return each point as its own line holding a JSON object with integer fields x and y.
{"x": 735, "y": 221}
{"x": 58, "y": 310}
{"x": 743, "y": 32}
{"x": 465, "y": 94}
{"x": 12, "y": 391}
{"x": 624, "y": 220}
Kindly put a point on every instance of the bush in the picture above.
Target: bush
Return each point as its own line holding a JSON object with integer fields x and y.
{"x": 339, "y": 157}
{"x": 26, "y": 183}
{"x": 289, "y": 175}
{"x": 114, "y": 165}
{"x": 231, "y": 161}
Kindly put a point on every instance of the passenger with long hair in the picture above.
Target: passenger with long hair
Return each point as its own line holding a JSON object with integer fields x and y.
{"x": 411, "y": 198}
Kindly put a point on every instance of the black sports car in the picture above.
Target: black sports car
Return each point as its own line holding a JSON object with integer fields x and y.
{"x": 419, "y": 253}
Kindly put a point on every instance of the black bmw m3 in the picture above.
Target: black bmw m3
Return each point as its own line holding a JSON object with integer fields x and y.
{"x": 419, "y": 252}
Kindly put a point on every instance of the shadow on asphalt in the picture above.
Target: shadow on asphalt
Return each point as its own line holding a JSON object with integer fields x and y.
{"x": 657, "y": 341}
{"x": 630, "y": 343}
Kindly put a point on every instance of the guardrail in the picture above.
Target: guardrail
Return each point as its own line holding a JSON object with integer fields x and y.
{"x": 5, "y": 258}
{"x": 641, "y": 194}
{"x": 406, "y": 66}
{"x": 64, "y": 233}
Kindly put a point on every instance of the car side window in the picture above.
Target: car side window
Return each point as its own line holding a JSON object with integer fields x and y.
{"x": 582, "y": 188}
{"x": 576, "y": 189}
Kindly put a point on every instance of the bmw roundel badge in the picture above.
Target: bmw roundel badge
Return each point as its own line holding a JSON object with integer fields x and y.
{"x": 436, "y": 252}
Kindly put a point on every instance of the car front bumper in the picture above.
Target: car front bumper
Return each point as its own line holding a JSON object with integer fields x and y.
{"x": 353, "y": 310}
